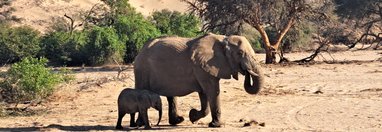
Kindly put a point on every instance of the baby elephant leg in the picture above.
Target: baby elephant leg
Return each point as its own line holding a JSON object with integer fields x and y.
{"x": 132, "y": 120}
{"x": 139, "y": 121}
{"x": 120, "y": 116}
{"x": 145, "y": 118}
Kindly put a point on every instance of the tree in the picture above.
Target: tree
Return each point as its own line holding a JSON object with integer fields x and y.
{"x": 365, "y": 16}
{"x": 131, "y": 27}
{"x": 279, "y": 15}
{"x": 134, "y": 31}
{"x": 104, "y": 46}
{"x": 17, "y": 43}
{"x": 29, "y": 80}
{"x": 176, "y": 23}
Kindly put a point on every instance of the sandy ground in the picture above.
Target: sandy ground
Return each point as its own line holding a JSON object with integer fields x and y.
{"x": 323, "y": 97}
{"x": 146, "y": 7}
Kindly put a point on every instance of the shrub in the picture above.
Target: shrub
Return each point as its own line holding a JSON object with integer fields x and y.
{"x": 64, "y": 48}
{"x": 55, "y": 46}
{"x": 28, "y": 80}
{"x": 104, "y": 46}
{"x": 176, "y": 23}
{"x": 17, "y": 43}
{"x": 134, "y": 31}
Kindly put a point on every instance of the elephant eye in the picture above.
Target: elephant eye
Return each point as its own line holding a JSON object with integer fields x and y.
{"x": 240, "y": 53}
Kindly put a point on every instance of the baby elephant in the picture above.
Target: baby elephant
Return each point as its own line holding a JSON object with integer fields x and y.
{"x": 136, "y": 100}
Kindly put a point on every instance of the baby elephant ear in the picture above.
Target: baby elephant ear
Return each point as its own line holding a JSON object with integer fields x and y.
{"x": 208, "y": 51}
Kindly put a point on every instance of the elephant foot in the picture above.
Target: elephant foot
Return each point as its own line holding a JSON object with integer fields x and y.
{"x": 119, "y": 127}
{"x": 133, "y": 125}
{"x": 176, "y": 120}
{"x": 147, "y": 127}
{"x": 193, "y": 115}
{"x": 139, "y": 123}
{"x": 214, "y": 124}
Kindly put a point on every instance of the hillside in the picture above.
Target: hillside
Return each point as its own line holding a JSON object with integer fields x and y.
{"x": 39, "y": 13}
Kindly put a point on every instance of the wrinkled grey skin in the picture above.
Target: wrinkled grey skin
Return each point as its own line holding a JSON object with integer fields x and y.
{"x": 137, "y": 100}
{"x": 175, "y": 66}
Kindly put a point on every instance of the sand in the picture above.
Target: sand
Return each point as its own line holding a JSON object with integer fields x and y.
{"x": 319, "y": 97}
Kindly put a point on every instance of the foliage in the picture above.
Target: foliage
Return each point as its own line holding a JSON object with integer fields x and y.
{"x": 134, "y": 30}
{"x": 364, "y": 18}
{"x": 356, "y": 8}
{"x": 176, "y": 23}
{"x": 104, "y": 46}
{"x": 104, "y": 15}
{"x": 63, "y": 48}
{"x": 299, "y": 37}
{"x": 54, "y": 46}
{"x": 17, "y": 43}
{"x": 28, "y": 80}
{"x": 228, "y": 17}
{"x": 96, "y": 46}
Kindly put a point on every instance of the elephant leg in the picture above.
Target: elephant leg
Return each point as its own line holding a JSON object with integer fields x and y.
{"x": 119, "y": 122}
{"x": 196, "y": 115}
{"x": 174, "y": 118}
{"x": 132, "y": 120}
{"x": 214, "y": 101}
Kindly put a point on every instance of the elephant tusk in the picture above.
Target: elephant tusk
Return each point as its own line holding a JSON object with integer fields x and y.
{"x": 252, "y": 73}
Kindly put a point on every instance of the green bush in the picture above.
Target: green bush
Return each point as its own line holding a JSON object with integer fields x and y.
{"x": 29, "y": 80}
{"x": 176, "y": 23}
{"x": 55, "y": 46}
{"x": 63, "y": 48}
{"x": 96, "y": 46}
{"x": 134, "y": 30}
{"x": 104, "y": 46}
{"x": 17, "y": 43}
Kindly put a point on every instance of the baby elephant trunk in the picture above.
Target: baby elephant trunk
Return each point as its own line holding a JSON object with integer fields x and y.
{"x": 160, "y": 116}
{"x": 158, "y": 107}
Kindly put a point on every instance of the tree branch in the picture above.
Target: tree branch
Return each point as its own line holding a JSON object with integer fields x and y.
{"x": 71, "y": 28}
{"x": 281, "y": 35}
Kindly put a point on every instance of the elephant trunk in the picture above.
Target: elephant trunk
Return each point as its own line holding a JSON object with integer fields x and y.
{"x": 257, "y": 81}
{"x": 160, "y": 116}
{"x": 158, "y": 107}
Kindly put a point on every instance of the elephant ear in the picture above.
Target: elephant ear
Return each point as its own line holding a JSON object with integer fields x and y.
{"x": 209, "y": 51}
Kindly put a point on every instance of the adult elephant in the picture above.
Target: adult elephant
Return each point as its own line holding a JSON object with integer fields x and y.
{"x": 175, "y": 66}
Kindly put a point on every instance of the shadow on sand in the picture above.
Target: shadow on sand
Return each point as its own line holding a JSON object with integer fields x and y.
{"x": 86, "y": 128}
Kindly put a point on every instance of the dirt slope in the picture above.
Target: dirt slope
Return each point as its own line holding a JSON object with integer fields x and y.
{"x": 148, "y": 6}
{"x": 39, "y": 13}
{"x": 323, "y": 97}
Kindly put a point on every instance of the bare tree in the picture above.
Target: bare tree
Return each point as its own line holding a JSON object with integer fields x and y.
{"x": 366, "y": 16}
{"x": 281, "y": 15}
